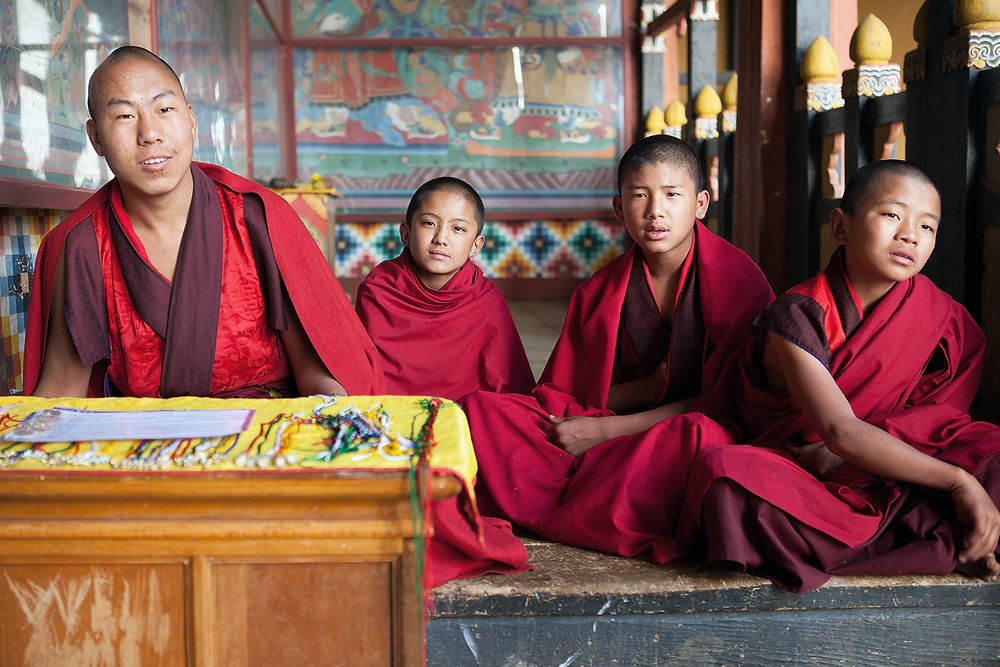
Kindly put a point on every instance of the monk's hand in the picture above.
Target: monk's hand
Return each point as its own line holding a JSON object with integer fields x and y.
{"x": 576, "y": 435}
{"x": 976, "y": 510}
{"x": 816, "y": 458}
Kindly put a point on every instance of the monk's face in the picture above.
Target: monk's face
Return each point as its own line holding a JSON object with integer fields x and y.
{"x": 658, "y": 206}
{"x": 143, "y": 127}
{"x": 891, "y": 234}
{"x": 442, "y": 236}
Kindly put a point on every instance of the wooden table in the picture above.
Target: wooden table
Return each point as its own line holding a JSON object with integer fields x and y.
{"x": 205, "y": 568}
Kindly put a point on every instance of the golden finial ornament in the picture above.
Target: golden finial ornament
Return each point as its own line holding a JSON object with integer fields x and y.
{"x": 655, "y": 122}
{"x": 676, "y": 115}
{"x": 729, "y": 93}
{"x": 707, "y": 103}
{"x": 820, "y": 64}
{"x": 977, "y": 14}
{"x": 871, "y": 43}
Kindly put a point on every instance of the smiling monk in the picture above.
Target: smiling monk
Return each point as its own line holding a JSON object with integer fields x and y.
{"x": 182, "y": 278}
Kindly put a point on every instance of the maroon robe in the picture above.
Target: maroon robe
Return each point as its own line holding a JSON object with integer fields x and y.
{"x": 910, "y": 367}
{"x": 319, "y": 302}
{"x": 622, "y": 496}
{"x": 449, "y": 342}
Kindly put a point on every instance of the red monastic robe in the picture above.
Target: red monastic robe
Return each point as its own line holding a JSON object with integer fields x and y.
{"x": 911, "y": 367}
{"x": 447, "y": 342}
{"x": 190, "y": 333}
{"x": 624, "y": 495}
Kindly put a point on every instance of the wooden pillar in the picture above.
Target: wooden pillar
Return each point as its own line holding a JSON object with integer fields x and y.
{"x": 814, "y": 94}
{"x": 653, "y": 52}
{"x": 818, "y": 95}
{"x": 988, "y": 219}
{"x": 707, "y": 107}
{"x": 703, "y": 29}
{"x": 952, "y": 150}
{"x": 727, "y": 145}
{"x": 914, "y": 74}
{"x": 872, "y": 79}
{"x": 760, "y": 192}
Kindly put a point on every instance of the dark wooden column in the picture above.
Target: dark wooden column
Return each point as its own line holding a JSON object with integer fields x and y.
{"x": 760, "y": 190}
{"x": 872, "y": 81}
{"x": 953, "y": 150}
{"x": 703, "y": 29}
{"x": 653, "y": 52}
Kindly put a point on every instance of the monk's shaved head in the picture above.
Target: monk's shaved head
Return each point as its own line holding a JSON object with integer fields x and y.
{"x": 865, "y": 180}
{"x": 451, "y": 185}
{"x": 660, "y": 149}
{"x": 123, "y": 54}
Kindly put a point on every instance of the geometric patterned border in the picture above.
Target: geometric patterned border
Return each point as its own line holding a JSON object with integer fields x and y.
{"x": 529, "y": 249}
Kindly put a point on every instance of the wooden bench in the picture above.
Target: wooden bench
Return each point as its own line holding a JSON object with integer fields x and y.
{"x": 581, "y": 607}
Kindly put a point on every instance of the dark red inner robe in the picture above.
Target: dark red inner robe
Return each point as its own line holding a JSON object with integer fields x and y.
{"x": 186, "y": 314}
{"x": 622, "y": 496}
{"x": 448, "y": 343}
{"x": 911, "y": 367}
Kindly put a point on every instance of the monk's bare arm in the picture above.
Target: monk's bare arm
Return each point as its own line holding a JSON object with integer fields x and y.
{"x": 578, "y": 434}
{"x": 63, "y": 373}
{"x": 311, "y": 375}
{"x": 816, "y": 393}
{"x": 628, "y": 396}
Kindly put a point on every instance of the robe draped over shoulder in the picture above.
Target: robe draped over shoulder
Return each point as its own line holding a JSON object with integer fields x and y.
{"x": 910, "y": 367}
{"x": 283, "y": 258}
{"x": 446, "y": 342}
{"x": 624, "y": 495}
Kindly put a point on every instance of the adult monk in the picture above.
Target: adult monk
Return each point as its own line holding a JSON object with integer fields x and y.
{"x": 180, "y": 278}
{"x": 598, "y": 455}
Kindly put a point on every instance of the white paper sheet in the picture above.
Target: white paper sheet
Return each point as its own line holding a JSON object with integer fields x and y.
{"x": 71, "y": 425}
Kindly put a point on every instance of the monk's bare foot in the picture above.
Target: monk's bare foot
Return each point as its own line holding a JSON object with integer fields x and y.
{"x": 987, "y": 569}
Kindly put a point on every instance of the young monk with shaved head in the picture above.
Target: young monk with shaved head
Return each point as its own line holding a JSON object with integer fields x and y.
{"x": 855, "y": 396}
{"x": 182, "y": 278}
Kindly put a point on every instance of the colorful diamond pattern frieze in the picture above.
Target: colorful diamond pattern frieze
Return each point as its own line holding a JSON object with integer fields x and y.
{"x": 523, "y": 249}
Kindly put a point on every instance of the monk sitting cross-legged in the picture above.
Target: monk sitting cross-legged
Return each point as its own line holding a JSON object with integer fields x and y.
{"x": 856, "y": 394}
{"x": 443, "y": 329}
{"x": 597, "y": 456}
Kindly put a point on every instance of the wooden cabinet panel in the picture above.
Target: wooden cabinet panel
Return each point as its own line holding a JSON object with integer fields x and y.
{"x": 58, "y": 614}
{"x": 302, "y": 613}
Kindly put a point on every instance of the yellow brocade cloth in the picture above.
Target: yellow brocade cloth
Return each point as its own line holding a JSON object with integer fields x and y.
{"x": 283, "y": 435}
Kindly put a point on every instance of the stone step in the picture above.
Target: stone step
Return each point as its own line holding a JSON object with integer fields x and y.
{"x": 580, "y": 607}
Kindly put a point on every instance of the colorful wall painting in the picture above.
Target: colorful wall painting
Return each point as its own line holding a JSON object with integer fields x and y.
{"x": 531, "y": 128}
{"x": 204, "y": 45}
{"x": 48, "y": 49}
{"x": 437, "y": 19}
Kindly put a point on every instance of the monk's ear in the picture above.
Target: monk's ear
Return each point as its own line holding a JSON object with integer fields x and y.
{"x": 404, "y": 234}
{"x": 194, "y": 123}
{"x": 477, "y": 245}
{"x": 703, "y": 200}
{"x": 95, "y": 139}
{"x": 838, "y": 225}
{"x": 616, "y": 203}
